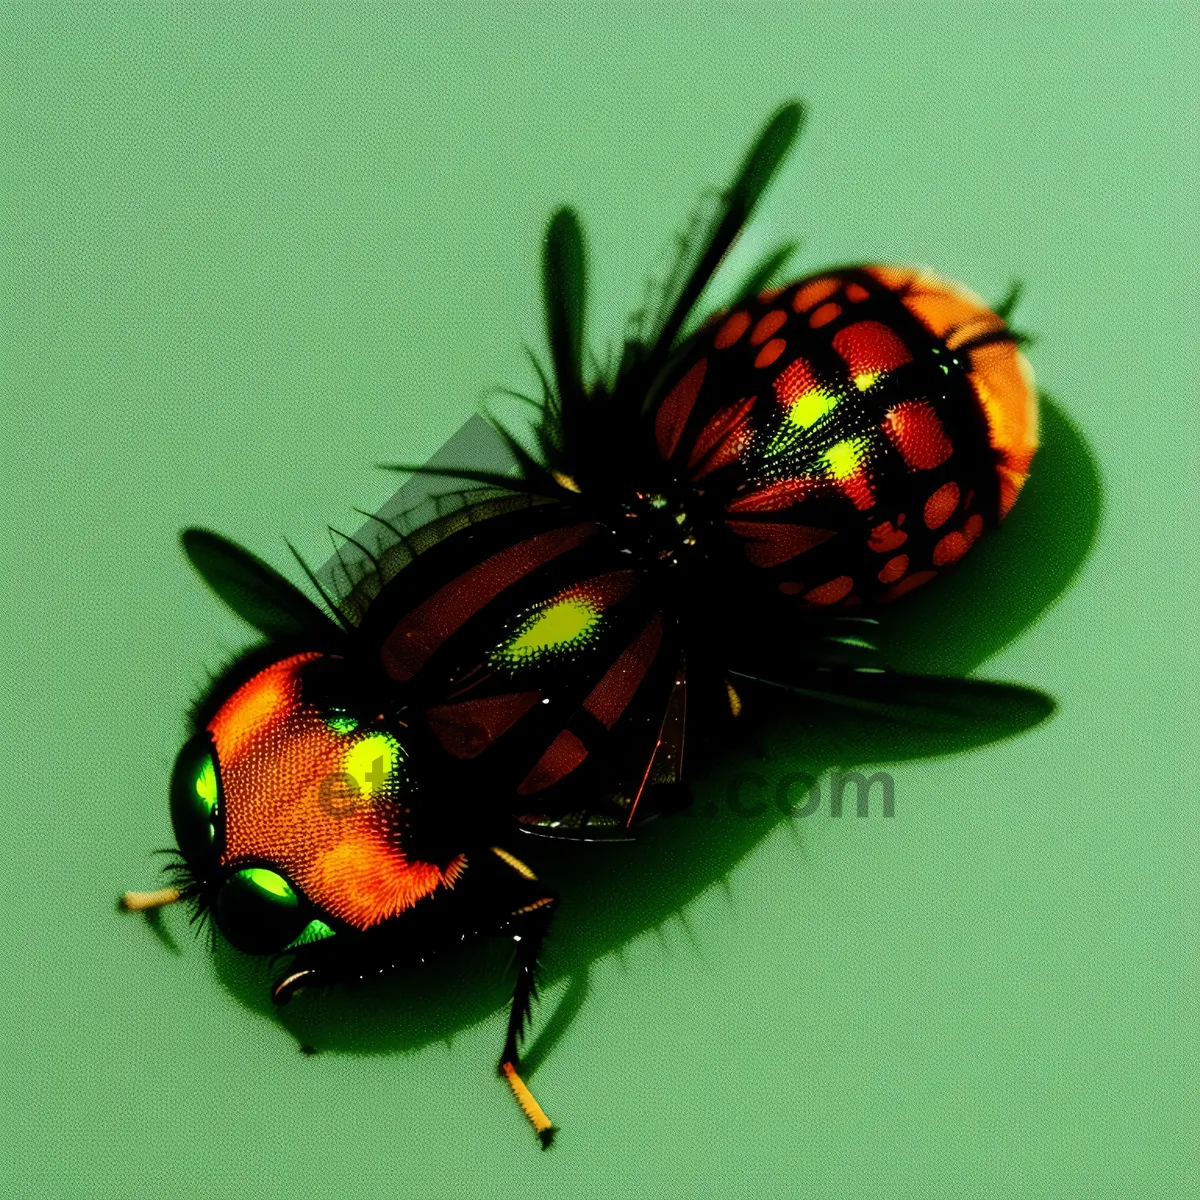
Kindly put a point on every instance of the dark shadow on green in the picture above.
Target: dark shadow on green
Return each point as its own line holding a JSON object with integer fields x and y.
{"x": 612, "y": 893}
{"x": 153, "y": 917}
{"x": 1010, "y": 578}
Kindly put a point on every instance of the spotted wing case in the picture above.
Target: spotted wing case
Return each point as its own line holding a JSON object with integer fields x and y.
{"x": 861, "y": 428}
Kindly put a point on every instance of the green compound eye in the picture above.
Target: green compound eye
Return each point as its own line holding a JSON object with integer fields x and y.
{"x": 259, "y": 911}
{"x": 195, "y": 790}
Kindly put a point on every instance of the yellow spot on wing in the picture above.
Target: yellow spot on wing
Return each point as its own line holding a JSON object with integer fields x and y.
{"x": 562, "y": 623}
{"x": 845, "y": 458}
{"x": 809, "y": 407}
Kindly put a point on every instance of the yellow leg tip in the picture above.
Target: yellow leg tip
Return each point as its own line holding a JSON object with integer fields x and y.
{"x": 529, "y": 1106}
{"x": 142, "y": 901}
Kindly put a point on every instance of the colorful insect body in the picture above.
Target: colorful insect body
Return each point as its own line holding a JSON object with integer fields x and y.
{"x": 859, "y": 429}
{"x": 354, "y": 789}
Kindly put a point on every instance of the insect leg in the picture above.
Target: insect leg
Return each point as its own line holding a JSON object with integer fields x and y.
{"x": 529, "y": 924}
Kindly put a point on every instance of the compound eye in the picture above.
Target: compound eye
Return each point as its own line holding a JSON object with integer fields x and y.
{"x": 195, "y": 790}
{"x": 259, "y": 911}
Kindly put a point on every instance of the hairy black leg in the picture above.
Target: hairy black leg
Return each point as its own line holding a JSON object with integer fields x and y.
{"x": 529, "y": 925}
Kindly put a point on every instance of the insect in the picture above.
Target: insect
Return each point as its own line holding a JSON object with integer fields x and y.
{"x": 711, "y": 521}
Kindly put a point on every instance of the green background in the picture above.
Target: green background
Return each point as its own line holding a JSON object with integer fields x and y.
{"x": 247, "y": 254}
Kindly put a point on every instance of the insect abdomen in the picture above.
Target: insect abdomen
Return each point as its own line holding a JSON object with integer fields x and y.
{"x": 861, "y": 428}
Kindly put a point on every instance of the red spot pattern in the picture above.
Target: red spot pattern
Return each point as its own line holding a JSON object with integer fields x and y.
{"x": 674, "y": 411}
{"x": 812, "y": 293}
{"x": 908, "y": 584}
{"x": 868, "y": 346}
{"x": 954, "y": 545}
{"x": 916, "y": 431}
{"x": 856, "y": 292}
{"x": 770, "y": 352}
{"x": 732, "y": 330}
{"x": 767, "y": 325}
{"x": 950, "y": 549}
{"x": 939, "y": 508}
{"x": 884, "y": 538}
{"x": 824, "y": 314}
{"x": 893, "y": 569}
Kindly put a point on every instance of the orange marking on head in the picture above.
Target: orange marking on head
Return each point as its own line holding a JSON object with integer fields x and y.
{"x": 732, "y": 330}
{"x": 810, "y": 294}
{"x": 884, "y": 538}
{"x": 916, "y": 431}
{"x": 372, "y": 880}
{"x": 856, "y": 292}
{"x": 770, "y": 352}
{"x": 767, "y": 325}
{"x": 939, "y": 508}
{"x": 893, "y": 568}
{"x": 290, "y": 800}
{"x": 674, "y": 411}
{"x": 831, "y": 592}
{"x": 824, "y": 314}
{"x": 261, "y": 700}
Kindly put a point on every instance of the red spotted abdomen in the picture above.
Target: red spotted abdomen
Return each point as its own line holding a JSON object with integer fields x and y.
{"x": 861, "y": 429}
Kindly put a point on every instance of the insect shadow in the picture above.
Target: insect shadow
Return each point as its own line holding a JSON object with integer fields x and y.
{"x": 613, "y": 892}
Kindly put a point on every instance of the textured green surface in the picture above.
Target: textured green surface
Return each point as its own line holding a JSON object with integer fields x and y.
{"x": 243, "y": 258}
